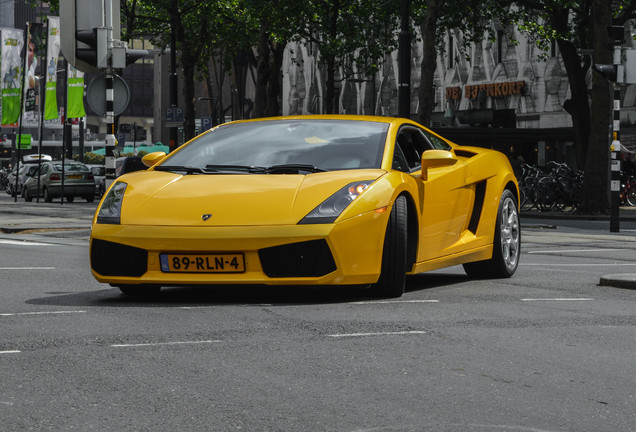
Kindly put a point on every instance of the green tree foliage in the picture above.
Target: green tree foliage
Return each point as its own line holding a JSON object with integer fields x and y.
{"x": 435, "y": 18}
{"x": 581, "y": 26}
{"x": 352, "y": 36}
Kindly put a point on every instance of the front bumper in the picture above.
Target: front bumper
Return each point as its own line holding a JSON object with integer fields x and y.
{"x": 129, "y": 254}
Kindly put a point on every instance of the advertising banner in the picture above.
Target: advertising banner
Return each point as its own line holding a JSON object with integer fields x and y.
{"x": 75, "y": 93}
{"x": 12, "y": 41}
{"x": 52, "y": 54}
{"x": 36, "y": 45}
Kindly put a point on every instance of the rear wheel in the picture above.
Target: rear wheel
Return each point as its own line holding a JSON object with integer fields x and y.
{"x": 506, "y": 244}
{"x": 393, "y": 276}
{"x": 70, "y": 198}
{"x": 26, "y": 195}
{"x": 47, "y": 195}
{"x": 630, "y": 196}
{"x": 139, "y": 290}
{"x": 90, "y": 198}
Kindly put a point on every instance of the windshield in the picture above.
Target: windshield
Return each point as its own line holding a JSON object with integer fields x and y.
{"x": 301, "y": 145}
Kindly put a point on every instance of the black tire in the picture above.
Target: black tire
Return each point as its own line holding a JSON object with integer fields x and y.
{"x": 90, "y": 198}
{"x": 506, "y": 243}
{"x": 47, "y": 196}
{"x": 70, "y": 198}
{"x": 630, "y": 196}
{"x": 394, "y": 254}
{"x": 139, "y": 290}
{"x": 26, "y": 195}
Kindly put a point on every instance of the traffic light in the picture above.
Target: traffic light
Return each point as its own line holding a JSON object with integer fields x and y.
{"x": 86, "y": 27}
{"x": 608, "y": 71}
{"x": 91, "y": 47}
{"x": 132, "y": 55}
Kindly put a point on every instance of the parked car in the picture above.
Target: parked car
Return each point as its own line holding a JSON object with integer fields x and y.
{"x": 309, "y": 200}
{"x": 128, "y": 164}
{"x": 78, "y": 181}
{"x": 25, "y": 171}
{"x": 28, "y": 166}
{"x": 99, "y": 172}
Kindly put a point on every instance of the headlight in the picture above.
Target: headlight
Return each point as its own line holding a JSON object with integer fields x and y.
{"x": 330, "y": 209}
{"x": 110, "y": 211}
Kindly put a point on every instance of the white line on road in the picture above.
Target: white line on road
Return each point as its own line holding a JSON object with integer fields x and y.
{"x": 397, "y": 333}
{"x": 163, "y": 343}
{"x": 579, "y": 265}
{"x": 24, "y": 243}
{"x": 558, "y": 299}
{"x": 10, "y": 352}
{"x": 392, "y": 301}
{"x": 41, "y": 313}
{"x": 574, "y": 250}
{"x": 27, "y": 268}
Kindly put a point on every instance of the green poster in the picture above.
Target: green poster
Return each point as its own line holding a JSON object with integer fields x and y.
{"x": 12, "y": 43}
{"x": 52, "y": 54}
{"x": 23, "y": 141}
{"x": 75, "y": 93}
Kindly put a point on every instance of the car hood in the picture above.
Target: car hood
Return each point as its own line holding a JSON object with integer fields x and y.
{"x": 169, "y": 199}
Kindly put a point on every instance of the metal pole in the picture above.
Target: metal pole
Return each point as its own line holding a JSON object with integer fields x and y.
{"x": 19, "y": 137}
{"x": 109, "y": 161}
{"x": 404, "y": 64}
{"x": 615, "y": 149}
{"x": 173, "y": 72}
{"x": 42, "y": 83}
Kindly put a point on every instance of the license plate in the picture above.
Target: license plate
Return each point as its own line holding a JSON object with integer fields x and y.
{"x": 204, "y": 263}
{"x": 74, "y": 177}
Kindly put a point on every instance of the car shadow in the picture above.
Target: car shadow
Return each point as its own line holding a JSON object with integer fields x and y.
{"x": 246, "y": 295}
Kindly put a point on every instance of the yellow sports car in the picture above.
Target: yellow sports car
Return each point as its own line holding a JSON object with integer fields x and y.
{"x": 308, "y": 200}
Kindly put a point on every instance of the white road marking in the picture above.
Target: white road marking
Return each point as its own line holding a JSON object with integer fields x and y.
{"x": 10, "y": 352}
{"x": 579, "y": 265}
{"x": 558, "y": 299}
{"x": 392, "y": 301}
{"x": 24, "y": 243}
{"x": 163, "y": 343}
{"x": 397, "y": 333}
{"x": 574, "y": 250}
{"x": 27, "y": 268}
{"x": 41, "y": 313}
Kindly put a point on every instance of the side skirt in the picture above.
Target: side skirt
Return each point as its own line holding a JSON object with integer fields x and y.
{"x": 478, "y": 254}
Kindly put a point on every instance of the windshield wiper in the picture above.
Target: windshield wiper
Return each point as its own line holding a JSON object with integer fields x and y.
{"x": 241, "y": 168}
{"x": 292, "y": 169}
{"x": 274, "y": 169}
{"x": 186, "y": 169}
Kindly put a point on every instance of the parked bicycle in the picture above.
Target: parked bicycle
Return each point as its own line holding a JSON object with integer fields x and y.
{"x": 555, "y": 186}
{"x": 628, "y": 191}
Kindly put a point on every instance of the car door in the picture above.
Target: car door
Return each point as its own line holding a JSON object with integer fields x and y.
{"x": 445, "y": 199}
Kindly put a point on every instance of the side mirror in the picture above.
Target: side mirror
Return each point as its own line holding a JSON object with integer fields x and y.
{"x": 152, "y": 158}
{"x": 436, "y": 159}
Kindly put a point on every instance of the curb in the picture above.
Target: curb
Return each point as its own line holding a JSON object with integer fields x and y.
{"x": 622, "y": 280}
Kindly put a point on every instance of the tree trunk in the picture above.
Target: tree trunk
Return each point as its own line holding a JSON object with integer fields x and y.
{"x": 273, "y": 86}
{"x": 595, "y": 183}
{"x": 429, "y": 62}
{"x": 262, "y": 72}
{"x": 578, "y": 105}
{"x": 188, "y": 95}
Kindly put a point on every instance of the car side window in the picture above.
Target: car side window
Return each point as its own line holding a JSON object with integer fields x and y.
{"x": 436, "y": 141}
{"x": 412, "y": 144}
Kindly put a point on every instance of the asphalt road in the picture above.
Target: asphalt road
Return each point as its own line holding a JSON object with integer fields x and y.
{"x": 547, "y": 350}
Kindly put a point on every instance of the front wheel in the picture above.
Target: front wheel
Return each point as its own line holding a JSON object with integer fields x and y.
{"x": 630, "y": 195}
{"x": 506, "y": 244}
{"x": 393, "y": 274}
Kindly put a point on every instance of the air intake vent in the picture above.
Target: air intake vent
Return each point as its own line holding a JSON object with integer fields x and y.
{"x": 306, "y": 259}
{"x": 480, "y": 194}
{"x": 464, "y": 153}
{"x": 114, "y": 259}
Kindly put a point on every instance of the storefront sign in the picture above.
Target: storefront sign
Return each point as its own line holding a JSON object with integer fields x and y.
{"x": 497, "y": 90}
